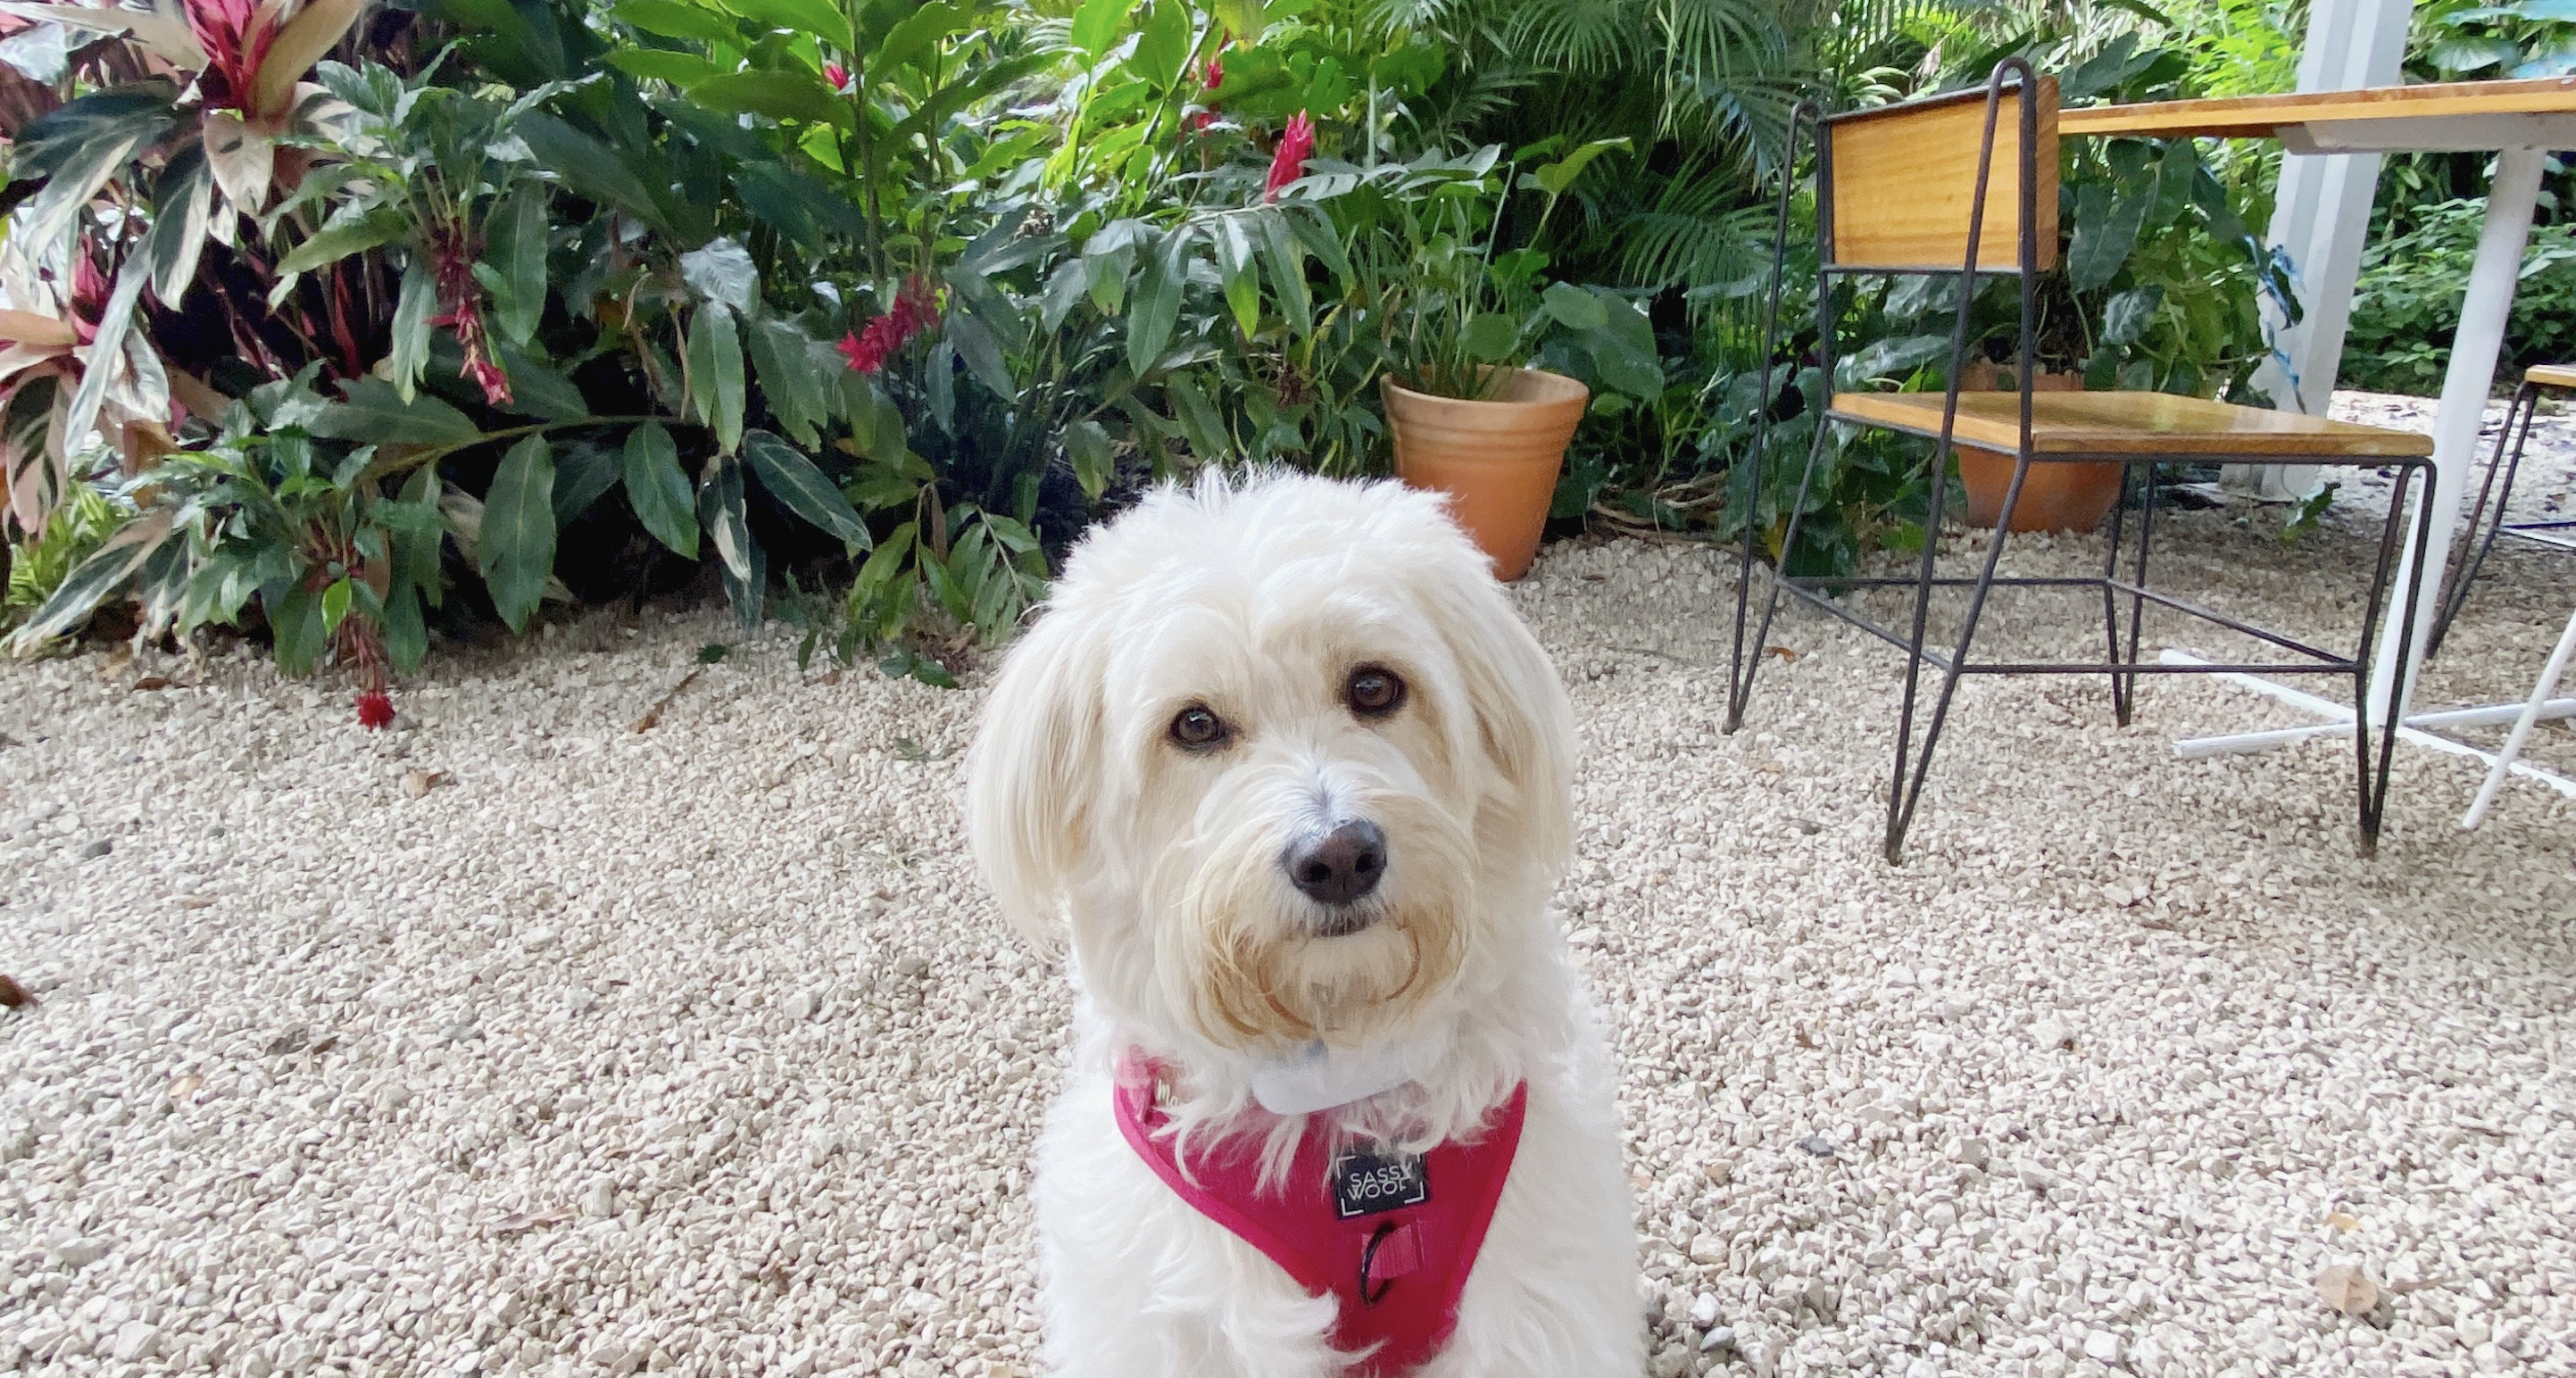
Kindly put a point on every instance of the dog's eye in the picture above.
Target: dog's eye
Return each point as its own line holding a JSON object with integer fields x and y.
{"x": 1374, "y": 691}
{"x": 1198, "y": 727}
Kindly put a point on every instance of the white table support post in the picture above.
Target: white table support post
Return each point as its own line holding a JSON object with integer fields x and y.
{"x": 2465, "y": 388}
{"x": 2321, "y": 219}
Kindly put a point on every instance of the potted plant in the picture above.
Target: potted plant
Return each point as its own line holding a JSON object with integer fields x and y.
{"x": 1461, "y": 325}
{"x": 2056, "y": 496}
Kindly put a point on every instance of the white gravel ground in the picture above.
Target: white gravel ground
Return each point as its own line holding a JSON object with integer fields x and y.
{"x": 699, "y": 1050}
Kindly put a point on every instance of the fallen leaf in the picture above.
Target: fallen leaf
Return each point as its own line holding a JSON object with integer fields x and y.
{"x": 186, "y": 1086}
{"x": 195, "y": 902}
{"x": 15, "y": 996}
{"x": 149, "y": 683}
{"x": 2347, "y": 1289}
{"x": 653, "y": 715}
{"x": 2343, "y": 1222}
{"x": 1783, "y": 652}
{"x": 419, "y": 782}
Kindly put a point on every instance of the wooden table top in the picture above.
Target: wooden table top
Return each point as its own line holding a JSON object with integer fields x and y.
{"x": 2263, "y": 117}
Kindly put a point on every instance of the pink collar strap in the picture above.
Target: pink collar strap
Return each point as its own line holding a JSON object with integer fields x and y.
{"x": 1391, "y": 1238}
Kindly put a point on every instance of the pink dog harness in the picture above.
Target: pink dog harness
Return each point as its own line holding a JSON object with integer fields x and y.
{"x": 1391, "y": 1237}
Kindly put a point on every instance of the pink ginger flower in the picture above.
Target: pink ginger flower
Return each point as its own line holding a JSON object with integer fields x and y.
{"x": 1296, "y": 145}
{"x": 838, "y": 76}
{"x": 916, "y": 309}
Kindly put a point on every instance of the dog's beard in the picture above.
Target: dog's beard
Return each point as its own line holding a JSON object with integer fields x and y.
{"x": 1254, "y": 963}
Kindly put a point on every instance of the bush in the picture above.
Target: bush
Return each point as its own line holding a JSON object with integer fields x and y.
{"x": 2407, "y": 308}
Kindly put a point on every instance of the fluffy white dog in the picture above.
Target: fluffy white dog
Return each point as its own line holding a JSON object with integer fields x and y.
{"x": 1297, "y": 779}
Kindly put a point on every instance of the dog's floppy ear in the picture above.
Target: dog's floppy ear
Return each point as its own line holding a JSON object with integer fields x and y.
{"x": 1524, "y": 721}
{"x": 1035, "y": 748}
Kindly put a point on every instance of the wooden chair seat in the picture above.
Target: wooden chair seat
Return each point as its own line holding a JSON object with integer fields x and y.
{"x": 2551, "y": 375}
{"x": 2094, "y": 424}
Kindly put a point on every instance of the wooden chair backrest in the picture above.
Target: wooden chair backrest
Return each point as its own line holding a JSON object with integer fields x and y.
{"x": 1904, "y": 175}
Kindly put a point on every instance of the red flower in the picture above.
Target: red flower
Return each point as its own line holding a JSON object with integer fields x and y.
{"x": 1215, "y": 75}
{"x": 916, "y": 308}
{"x": 838, "y": 76}
{"x": 460, "y": 308}
{"x": 1288, "y": 164}
{"x": 236, "y": 35}
{"x": 375, "y": 709}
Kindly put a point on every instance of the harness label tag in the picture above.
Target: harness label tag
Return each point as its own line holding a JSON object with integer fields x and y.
{"x": 1371, "y": 1183}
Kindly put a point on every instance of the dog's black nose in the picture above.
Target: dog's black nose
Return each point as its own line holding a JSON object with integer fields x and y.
{"x": 1342, "y": 865}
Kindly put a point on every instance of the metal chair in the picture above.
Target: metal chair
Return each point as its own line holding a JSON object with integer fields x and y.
{"x": 1904, "y": 190}
{"x": 2507, "y": 457}
{"x": 2540, "y": 692}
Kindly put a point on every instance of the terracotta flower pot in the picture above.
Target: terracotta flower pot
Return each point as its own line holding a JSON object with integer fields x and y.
{"x": 2056, "y": 497}
{"x": 1497, "y": 458}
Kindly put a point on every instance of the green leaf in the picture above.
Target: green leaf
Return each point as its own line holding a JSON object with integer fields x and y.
{"x": 412, "y": 308}
{"x": 537, "y": 389}
{"x": 1287, "y": 260}
{"x": 1574, "y": 308}
{"x": 1086, "y": 444}
{"x": 715, "y": 374}
{"x": 791, "y": 380}
{"x": 406, "y": 632}
{"x": 1163, "y": 43}
{"x": 516, "y": 549}
{"x": 1096, "y": 25}
{"x": 582, "y": 474}
{"x": 1245, "y": 19}
{"x": 339, "y": 239}
{"x": 2129, "y": 314}
{"x": 374, "y": 412}
{"x": 182, "y": 209}
{"x": 801, "y": 487}
{"x": 672, "y": 19}
{"x": 817, "y": 18}
{"x": 1065, "y": 286}
{"x": 295, "y": 628}
{"x": 2106, "y": 231}
{"x": 518, "y": 236}
{"x": 777, "y": 95}
{"x": 1235, "y": 269}
{"x": 1157, "y": 308}
{"x": 917, "y": 35}
{"x": 335, "y": 603}
{"x": 720, "y": 511}
{"x": 590, "y": 167}
{"x": 982, "y": 351}
{"x": 1491, "y": 338}
{"x": 93, "y": 581}
{"x": 1555, "y": 177}
{"x": 662, "y": 64}
{"x": 658, "y": 490}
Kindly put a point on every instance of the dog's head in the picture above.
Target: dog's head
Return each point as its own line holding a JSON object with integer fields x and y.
{"x": 1283, "y": 755}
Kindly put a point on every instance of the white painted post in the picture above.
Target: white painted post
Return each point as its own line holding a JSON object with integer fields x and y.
{"x": 2322, "y": 219}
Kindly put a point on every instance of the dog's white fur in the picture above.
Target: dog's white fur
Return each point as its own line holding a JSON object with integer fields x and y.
{"x": 1257, "y": 598}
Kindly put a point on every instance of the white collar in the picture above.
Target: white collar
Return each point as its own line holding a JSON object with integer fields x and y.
{"x": 1320, "y": 1077}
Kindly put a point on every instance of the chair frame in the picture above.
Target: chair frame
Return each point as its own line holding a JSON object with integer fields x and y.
{"x": 1913, "y": 764}
{"x": 2506, "y": 456}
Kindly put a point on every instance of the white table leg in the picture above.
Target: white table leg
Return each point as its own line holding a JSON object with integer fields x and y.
{"x": 2504, "y": 761}
{"x": 2474, "y": 351}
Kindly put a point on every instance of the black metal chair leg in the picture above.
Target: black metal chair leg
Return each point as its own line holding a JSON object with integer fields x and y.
{"x": 2138, "y": 599}
{"x": 1906, "y": 793}
{"x": 2111, "y": 603}
{"x": 2508, "y": 457}
{"x": 1742, "y": 692}
{"x": 2373, "y": 777}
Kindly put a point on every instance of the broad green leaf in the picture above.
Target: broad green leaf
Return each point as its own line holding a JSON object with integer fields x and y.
{"x": 672, "y": 19}
{"x": 590, "y": 167}
{"x": 1574, "y": 308}
{"x": 1163, "y": 44}
{"x": 1235, "y": 269}
{"x": 1287, "y": 260}
{"x": 182, "y": 207}
{"x": 658, "y": 490}
{"x": 406, "y": 631}
{"x": 93, "y": 581}
{"x": 538, "y": 389}
{"x": 374, "y": 412}
{"x": 1157, "y": 308}
{"x": 977, "y": 345}
{"x": 2106, "y": 230}
{"x": 297, "y": 637}
{"x": 75, "y": 150}
{"x": 720, "y": 511}
{"x": 777, "y": 95}
{"x": 1555, "y": 177}
{"x": 1064, "y": 287}
{"x": 1086, "y": 444}
{"x": 801, "y": 487}
{"x": 335, "y": 602}
{"x": 582, "y": 474}
{"x": 516, "y": 548}
{"x": 1491, "y": 338}
{"x": 1245, "y": 19}
{"x": 816, "y": 18}
{"x": 715, "y": 374}
{"x": 2128, "y": 314}
{"x": 661, "y": 64}
{"x": 412, "y": 308}
{"x": 339, "y": 239}
{"x": 791, "y": 382}
{"x": 1096, "y": 25}
{"x": 918, "y": 34}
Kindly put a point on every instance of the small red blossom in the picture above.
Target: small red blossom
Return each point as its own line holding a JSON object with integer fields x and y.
{"x": 375, "y": 709}
{"x": 916, "y": 308}
{"x": 1214, "y": 76}
{"x": 838, "y": 76}
{"x": 460, "y": 309}
{"x": 1296, "y": 145}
